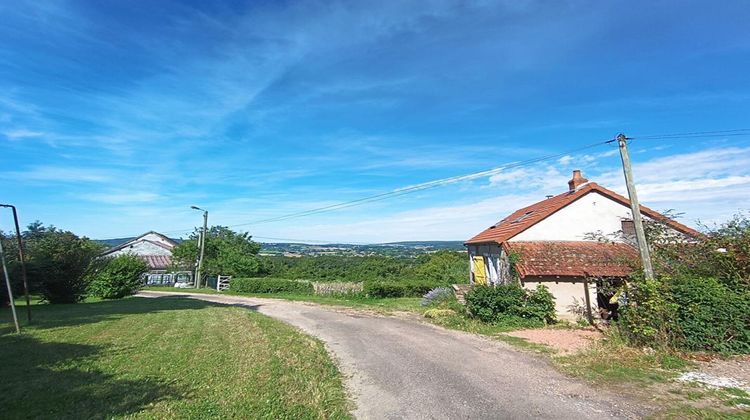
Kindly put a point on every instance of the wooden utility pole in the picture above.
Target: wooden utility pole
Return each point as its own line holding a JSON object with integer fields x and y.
{"x": 10, "y": 292}
{"x": 635, "y": 208}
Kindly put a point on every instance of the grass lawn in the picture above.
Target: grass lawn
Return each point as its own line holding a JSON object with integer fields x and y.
{"x": 163, "y": 358}
{"x": 407, "y": 304}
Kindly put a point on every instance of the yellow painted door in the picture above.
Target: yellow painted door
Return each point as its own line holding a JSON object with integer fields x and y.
{"x": 480, "y": 271}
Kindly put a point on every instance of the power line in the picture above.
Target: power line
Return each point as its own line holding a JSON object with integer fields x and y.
{"x": 450, "y": 180}
{"x": 419, "y": 187}
{"x": 716, "y": 133}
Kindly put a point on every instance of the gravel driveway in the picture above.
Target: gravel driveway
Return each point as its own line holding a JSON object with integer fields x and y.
{"x": 397, "y": 368}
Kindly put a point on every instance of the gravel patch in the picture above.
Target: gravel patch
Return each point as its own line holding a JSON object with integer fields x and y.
{"x": 714, "y": 381}
{"x": 564, "y": 341}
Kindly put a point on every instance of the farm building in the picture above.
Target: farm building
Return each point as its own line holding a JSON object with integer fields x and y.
{"x": 156, "y": 250}
{"x": 551, "y": 242}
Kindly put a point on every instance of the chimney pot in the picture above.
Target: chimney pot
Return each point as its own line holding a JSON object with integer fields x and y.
{"x": 577, "y": 180}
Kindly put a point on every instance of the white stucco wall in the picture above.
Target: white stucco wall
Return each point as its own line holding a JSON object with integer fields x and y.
{"x": 141, "y": 248}
{"x": 156, "y": 238}
{"x": 589, "y": 214}
{"x": 566, "y": 293}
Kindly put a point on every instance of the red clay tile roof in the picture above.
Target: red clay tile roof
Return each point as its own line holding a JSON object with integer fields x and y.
{"x": 526, "y": 217}
{"x": 157, "y": 262}
{"x": 573, "y": 258}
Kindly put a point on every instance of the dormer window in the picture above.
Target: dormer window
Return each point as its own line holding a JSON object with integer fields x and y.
{"x": 525, "y": 215}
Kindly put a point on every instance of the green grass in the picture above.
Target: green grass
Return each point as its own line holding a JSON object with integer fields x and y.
{"x": 612, "y": 362}
{"x": 384, "y": 305}
{"x": 163, "y": 358}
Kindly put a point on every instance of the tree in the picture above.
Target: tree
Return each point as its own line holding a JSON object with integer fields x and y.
{"x": 227, "y": 253}
{"x": 118, "y": 277}
{"x": 58, "y": 262}
{"x": 448, "y": 266}
{"x": 10, "y": 250}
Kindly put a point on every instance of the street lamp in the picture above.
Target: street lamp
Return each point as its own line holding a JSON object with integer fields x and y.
{"x": 22, "y": 259}
{"x": 204, "y": 232}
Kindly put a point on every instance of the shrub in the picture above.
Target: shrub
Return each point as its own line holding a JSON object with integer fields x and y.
{"x": 270, "y": 285}
{"x": 687, "y": 313}
{"x": 711, "y": 317}
{"x": 540, "y": 304}
{"x": 118, "y": 277}
{"x": 384, "y": 289}
{"x": 437, "y": 296}
{"x": 58, "y": 263}
{"x": 648, "y": 317}
{"x": 404, "y": 288}
{"x": 493, "y": 304}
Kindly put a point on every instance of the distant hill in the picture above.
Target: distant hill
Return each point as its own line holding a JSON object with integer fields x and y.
{"x": 395, "y": 249}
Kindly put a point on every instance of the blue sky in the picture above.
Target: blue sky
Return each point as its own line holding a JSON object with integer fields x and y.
{"x": 115, "y": 116}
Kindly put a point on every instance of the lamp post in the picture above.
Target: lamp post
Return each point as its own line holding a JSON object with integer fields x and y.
{"x": 204, "y": 232}
{"x": 21, "y": 259}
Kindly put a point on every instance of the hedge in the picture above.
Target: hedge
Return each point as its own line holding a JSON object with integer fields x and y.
{"x": 493, "y": 304}
{"x": 403, "y": 288}
{"x": 687, "y": 313}
{"x": 270, "y": 285}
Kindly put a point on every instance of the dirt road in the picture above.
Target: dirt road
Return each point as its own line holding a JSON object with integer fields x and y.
{"x": 402, "y": 368}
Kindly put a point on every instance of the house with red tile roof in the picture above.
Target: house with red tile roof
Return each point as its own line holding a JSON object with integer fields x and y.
{"x": 553, "y": 242}
{"x": 156, "y": 250}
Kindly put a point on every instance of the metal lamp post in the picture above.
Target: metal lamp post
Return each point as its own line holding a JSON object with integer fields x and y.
{"x": 204, "y": 232}
{"x": 21, "y": 259}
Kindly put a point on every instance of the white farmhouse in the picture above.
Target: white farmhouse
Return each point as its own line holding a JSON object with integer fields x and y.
{"x": 156, "y": 250}
{"x": 550, "y": 242}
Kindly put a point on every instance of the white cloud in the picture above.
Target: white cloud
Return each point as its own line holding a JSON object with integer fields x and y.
{"x": 122, "y": 197}
{"x": 565, "y": 160}
{"x": 22, "y": 134}
{"x": 59, "y": 174}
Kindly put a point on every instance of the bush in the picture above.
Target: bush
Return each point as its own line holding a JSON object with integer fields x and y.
{"x": 118, "y": 277}
{"x": 540, "y": 304}
{"x": 494, "y": 304}
{"x": 404, "y": 288}
{"x": 58, "y": 263}
{"x": 437, "y": 296}
{"x": 270, "y": 285}
{"x": 648, "y": 317}
{"x": 711, "y": 317}
{"x": 687, "y": 313}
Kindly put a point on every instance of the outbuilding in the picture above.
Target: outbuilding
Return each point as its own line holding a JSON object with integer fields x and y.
{"x": 156, "y": 250}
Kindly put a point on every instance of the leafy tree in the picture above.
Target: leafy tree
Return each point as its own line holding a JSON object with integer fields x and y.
{"x": 10, "y": 250}
{"x": 58, "y": 262}
{"x": 227, "y": 252}
{"x": 118, "y": 277}
{"x": 448, "y": 266}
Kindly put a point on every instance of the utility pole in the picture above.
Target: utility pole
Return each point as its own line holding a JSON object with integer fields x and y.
{"x": 635, "y": 208}
{"x": 204, "y": 232}
{"x": 23, "y": 261}
{"x": 10, "y": 292}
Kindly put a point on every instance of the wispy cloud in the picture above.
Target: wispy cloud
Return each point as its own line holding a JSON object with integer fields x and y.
{"x": 58, "y": 174}
{"x": 22, "y": 134}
